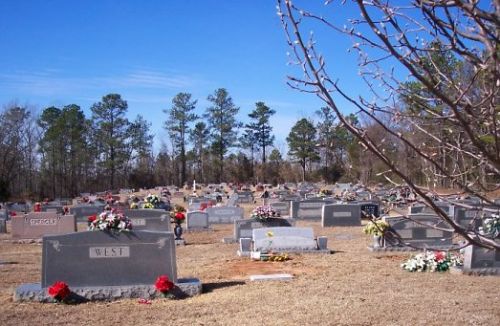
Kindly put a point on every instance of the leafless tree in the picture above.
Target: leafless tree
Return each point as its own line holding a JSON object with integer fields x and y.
{"x": 432, "y": 67}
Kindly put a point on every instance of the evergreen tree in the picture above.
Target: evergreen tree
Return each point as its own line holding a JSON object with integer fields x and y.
{"x": 199, "y": 138}
{"x": 302, "y": 143}
{"x": 179, "y": 117}
{"x": 223, "y": 126}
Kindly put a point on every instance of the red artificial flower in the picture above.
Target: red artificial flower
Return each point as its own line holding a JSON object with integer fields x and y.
{"x": 163, "y": 284}
{"x": 12, "y": 213}
{"x": 92, "y": 218}
{"x": 59, "y": 290}
{"x": 439, "y": 255}
{"x": 180, "y": 216}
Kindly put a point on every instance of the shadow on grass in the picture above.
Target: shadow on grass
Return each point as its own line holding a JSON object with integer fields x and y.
{"x": 209, "y": 287}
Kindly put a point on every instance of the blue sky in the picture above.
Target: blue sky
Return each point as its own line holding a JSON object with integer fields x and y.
{"x": 63, "y": 52}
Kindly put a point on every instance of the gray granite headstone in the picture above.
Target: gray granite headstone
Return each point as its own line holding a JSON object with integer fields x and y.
{"x": 245, "y": 197}
{"x": 471, "y": 219}
{"x": 424, "y": 209}
{"x": 282, "y": 207}
{"x": 481, "y": 260}
{"x": 35, "y": 225}
{"x": 224, "y": 215}
{"x": 283, "y": 239}
{"x": 308, "y": 209}
{"x": 244, "y": 228}
{"x": 82, "y": 212}
{"x": 97, "y": 258}
{"x": 149, "y": 219}
{"x": 421, "y": 233}
{"x": 197, "y": 221}
{"x": 341, "y": 215}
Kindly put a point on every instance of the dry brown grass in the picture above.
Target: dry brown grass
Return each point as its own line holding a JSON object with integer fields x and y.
{"x": 350, "y": 287}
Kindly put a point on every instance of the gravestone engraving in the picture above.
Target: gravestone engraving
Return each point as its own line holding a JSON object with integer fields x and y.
{"x": 369, "y": 208}
{"x": 82, "y": 212}
{"x": 197, "y": 221}
{"x": 224, "y": 215}
{"x": 96, "y": 258}
{"x": 341, "y": 215}
{"x": 245, "y": 197}
{"x": 35, "y": 225}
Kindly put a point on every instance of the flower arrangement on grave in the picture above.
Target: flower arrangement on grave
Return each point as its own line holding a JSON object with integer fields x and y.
{"x": 432, "y": 261}
{"x": 134, "y": 205}
{"x": 151, "y": 201}
{"x": 59, "y": 291}
{"x": 376, "y": 227}
{"x": 264, "y": 212}
{"x": 491, "y": 226}
{"x": 348, "y": 196}
{"x": 110, "y": 220}
{"x": 164, "y": 285}
{"x": 178, "y": 215}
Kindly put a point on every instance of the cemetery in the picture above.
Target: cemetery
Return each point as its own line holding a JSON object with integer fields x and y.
{"x": 260, "y": 251}
{"x": 286, "y": 162}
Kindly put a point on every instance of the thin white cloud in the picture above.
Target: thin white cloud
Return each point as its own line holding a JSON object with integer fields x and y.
{"x": 51, "y": 82}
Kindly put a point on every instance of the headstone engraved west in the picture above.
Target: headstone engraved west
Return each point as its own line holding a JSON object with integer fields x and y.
{"x": 196, "y": 221}
{"x": 224, "y": 215}
{"x": 35, "y": 225}
{"x": 149, "y": 219}
{"x": 308, "y": 209}
{"x": 96, "y": 258}
{"x": 341, "y": 215}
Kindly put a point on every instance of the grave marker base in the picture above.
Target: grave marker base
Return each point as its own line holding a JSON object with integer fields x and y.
{"x": 405, "y": 248}
{"x": 34, "y": 292}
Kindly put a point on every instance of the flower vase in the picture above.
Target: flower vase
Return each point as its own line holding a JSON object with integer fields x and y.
{"x": 378, "y": 241}
{"x": 178, "y": 231}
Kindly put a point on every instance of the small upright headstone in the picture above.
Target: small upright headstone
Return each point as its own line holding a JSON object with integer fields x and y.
{"x": 224, "y": 215}
{"x": 341, "y": 215}
{"x": 196, "y": 221}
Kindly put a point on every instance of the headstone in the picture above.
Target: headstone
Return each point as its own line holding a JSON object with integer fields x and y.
{"x": 424, "y": 209}
{"x": 178, "y": 194}
{"x": 149, "y": 219}
{"x": 471, "y": 219}
{"x": 52, "y": 208}
{"x": 422, "y": 233}
{"x": 244, "y": 228}
{"x": 224, "y": 215}
{"x": 197, "y": 221}
{"x": 282, "y": 207}
{"x": 35, "y": 225}
{"x": 245, "y": 197}
{"x": 271, "y": 277}
{"x": 481, "y": 260}
{"x": 84, "y": 211}
{"x": 232, "y": 201}
{"x": 341, "y": 215}
{"x": 97, "y": 258}
{"x": 284, "y": 239}
{"x": 308, "y": 209}
{"x": 370, "y": 208}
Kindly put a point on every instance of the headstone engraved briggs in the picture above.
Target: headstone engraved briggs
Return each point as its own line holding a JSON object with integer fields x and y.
{"x": 35, "y": 225}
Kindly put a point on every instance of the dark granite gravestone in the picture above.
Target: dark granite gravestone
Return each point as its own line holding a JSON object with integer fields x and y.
{"x": 341, "y": 215}
{"x": 424, "y": 209}
{"x": 244, "y": 228}
{"x": 282, "y": 207}
{"x": 420, "y": 233}
{"x": 97, "y": 258}
{"x": 35, "y": 225}
{"x": 308, "y": 209}
{"x": 481, "y": 260}
{"x": 82, "y": 212}
{"x": 54, "y": 207}
{"x": 149, "y": 219}
{"x": 224, "y": 215}
{"x": 471, "y": 219}
{"x": 197, "y": 221}
{"x": 369, "y": 208}
{"x": 245, "y": 197}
